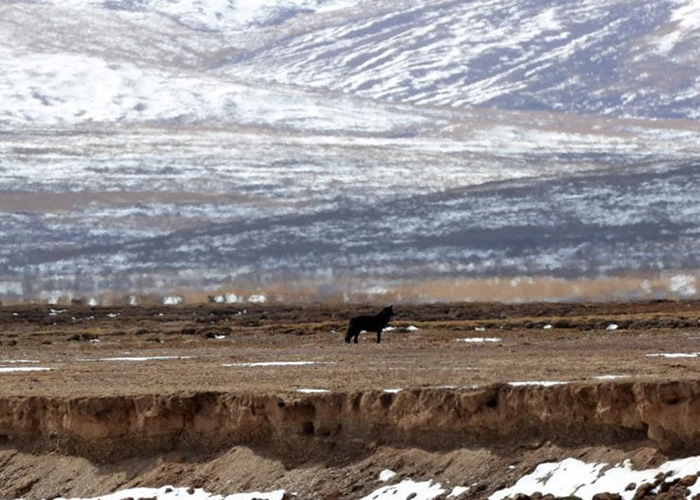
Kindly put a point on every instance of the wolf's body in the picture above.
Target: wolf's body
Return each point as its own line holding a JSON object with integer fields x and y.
{"x": 375, "y": 323}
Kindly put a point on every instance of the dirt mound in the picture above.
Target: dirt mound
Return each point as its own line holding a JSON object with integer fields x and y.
{"x": 337, "y": 430}
{"x": 240, "y": 468}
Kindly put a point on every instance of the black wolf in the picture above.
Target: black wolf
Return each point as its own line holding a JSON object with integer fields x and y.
{"x": 375, "y": 323}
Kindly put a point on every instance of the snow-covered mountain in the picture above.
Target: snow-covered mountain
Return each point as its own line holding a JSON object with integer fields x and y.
{"x": 152, "y": 144}
{"x": 607, "y": 57}
{"x": 603, "y": 57}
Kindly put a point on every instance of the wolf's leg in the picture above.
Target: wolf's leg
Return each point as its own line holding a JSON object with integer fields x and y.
{"x": 349, "y": 332}
{"x": 379, "y": 336}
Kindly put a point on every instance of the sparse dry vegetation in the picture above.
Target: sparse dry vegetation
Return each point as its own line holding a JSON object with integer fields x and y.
{"x": 536, "y": 341}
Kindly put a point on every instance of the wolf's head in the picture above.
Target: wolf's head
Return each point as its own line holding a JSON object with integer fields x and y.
{"x": 388, "y": 311}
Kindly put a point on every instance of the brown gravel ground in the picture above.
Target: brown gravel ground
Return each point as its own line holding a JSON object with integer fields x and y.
{"x": 212, "y": 346}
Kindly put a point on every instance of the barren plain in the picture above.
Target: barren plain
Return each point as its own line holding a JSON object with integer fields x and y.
{"x": 263, "y": 396}
{"x": 224, "y": 347}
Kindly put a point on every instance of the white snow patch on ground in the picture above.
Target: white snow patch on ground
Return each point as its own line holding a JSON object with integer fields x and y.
{"x": 457, "y": 491}
{"x": 584, "y": 480}
{"x": 557, "y": 478}
{"x": 674, "y": 355}
{"x": 313, "y": 391}
{"x": 386, "y": 474}
{"x": 479, "y": 340}
{"x": 138, "y": 358}
{"x": 412, "y": 328}
{"x": 612, "y": 327}
{"x": 406, "y": 489}
{"x": 173, "y": 301}
{"x": 392, "y": 391}
{"x": 231, "y": 298}
{"x": 10, "y": 369}
{"x": 543, "y": 383}
{"x": 609, "y": 377}
{"x": 171, "y": 493}
{"x": 272, "y": 363}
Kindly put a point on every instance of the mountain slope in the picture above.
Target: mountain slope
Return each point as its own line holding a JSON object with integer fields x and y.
{"x": 153, "y": 145}
{"x": 590, "y": 225}
{"x": 607, "y": 57}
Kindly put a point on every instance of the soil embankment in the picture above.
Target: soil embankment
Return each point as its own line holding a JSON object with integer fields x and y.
{"x": 331, "y": 429}
{"x": 305, "y": 427}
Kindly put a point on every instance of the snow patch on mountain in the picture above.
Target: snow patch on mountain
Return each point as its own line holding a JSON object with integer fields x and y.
{"x": 68, "y": 89}
{"x": 218, "y": 15}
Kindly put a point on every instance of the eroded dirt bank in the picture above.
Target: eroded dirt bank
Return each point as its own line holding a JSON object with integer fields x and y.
{"x": 332, "y": 431}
